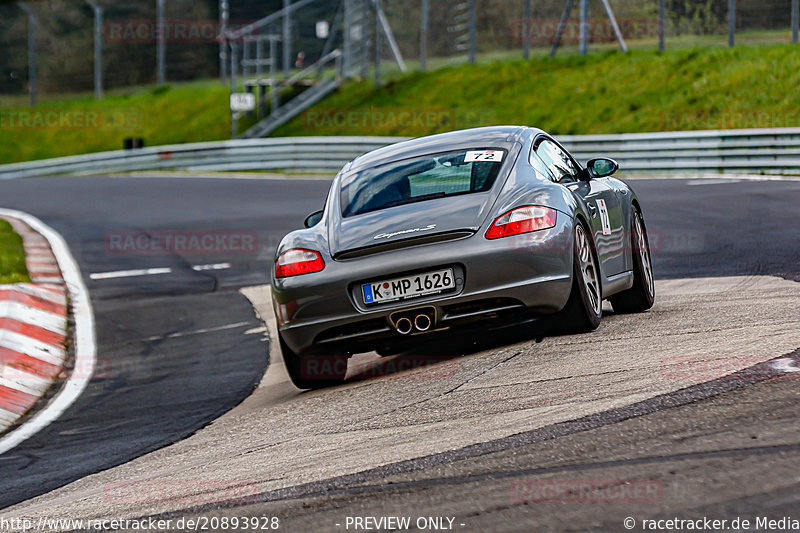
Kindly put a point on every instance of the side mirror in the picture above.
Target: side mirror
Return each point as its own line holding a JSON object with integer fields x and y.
{"x": 313, "y": 219}
{"x": 601, "y": 167}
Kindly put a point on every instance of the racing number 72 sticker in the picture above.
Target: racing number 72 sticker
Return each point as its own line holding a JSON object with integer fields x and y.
{"x": 604, "y": 217}
{"x": 494, "y": 156}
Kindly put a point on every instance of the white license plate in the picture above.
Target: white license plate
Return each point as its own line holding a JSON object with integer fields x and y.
{"x": 408, "y": 287}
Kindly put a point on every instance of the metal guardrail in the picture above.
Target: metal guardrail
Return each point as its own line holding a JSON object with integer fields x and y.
{"x": 754, "y": 151}
{"x": 304, "y": 154}
{"x": 750, "y": 150}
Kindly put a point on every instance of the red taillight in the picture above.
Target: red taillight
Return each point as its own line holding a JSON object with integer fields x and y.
{"x": 298, "y": 261}
{"x": 522, "y": 220}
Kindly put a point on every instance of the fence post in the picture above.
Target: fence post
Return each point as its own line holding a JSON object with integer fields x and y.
{"x": 161, "y": 50}
{"x": 731, "y": 23}
{"x": 259, "y": 56}
{"x": 661, "y": 29}
{"x": 273, "y": 86}
{"x": 560, "y": 30}
{"x": 526, "y": 30}
{"x": 223, "y": 45}
{"x": 287, "y": 37}
{"x": 32, "y": 23}
{"x": 584, "y": 30}
{"x": 795, "y": 19}
{"x": 232, "y": 79}
{"x": 378, "y": 43}
{"x": 423, "y": 37}
{"x": 472, "y": 30}
{"x": 98, "y": 48}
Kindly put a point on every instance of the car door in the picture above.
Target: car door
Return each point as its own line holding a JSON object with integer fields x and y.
{"x": 605, "y": 209}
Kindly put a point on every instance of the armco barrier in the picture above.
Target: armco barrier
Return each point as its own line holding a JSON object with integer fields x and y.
{"x": 753, "y": 151}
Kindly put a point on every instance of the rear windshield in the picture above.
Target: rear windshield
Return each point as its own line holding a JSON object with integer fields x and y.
{"x": 419, "y": 179}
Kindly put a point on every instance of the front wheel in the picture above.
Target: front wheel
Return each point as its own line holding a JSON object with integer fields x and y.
{"x": 313, "y": 371}
{"x": 641, "y": 296}
{"x": 584, "y": 308}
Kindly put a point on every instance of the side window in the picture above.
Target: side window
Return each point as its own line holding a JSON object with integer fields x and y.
{"x": 540, "y": 167}
{"x": 559, "y": 163}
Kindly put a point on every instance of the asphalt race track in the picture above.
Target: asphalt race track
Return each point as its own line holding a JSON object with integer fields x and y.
{"x": 159, "y": 380}
{"x": 644, "y": 398}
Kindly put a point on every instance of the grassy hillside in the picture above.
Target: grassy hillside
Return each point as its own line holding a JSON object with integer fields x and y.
{"x": 606, "y": 92}
{"x": 686, "y": 89}
{"x": 196, "y": 111}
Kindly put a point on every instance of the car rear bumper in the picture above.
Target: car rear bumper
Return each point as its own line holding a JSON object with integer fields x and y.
{"x": 496, "y": 280}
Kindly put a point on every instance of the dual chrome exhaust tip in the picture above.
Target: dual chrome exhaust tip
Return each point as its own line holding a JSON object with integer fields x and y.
{"x": 404, "y": 326}
{"x": 422, "y": 322}
{"x": 414, "y": 321}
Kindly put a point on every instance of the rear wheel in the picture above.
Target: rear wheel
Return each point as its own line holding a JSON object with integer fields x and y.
{"x": 584, "y": 308}
{"x": 313, "y": 371}
{"x": 641, "y": 296}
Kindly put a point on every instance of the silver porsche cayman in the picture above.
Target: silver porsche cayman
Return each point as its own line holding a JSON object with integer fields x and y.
{"x": 471, "y": 229}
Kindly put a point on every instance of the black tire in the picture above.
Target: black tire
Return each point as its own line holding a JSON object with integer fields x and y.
{"x": 313, "y": 371}
{"x": 584, "y": 308}
{"x": 641, "y": 296}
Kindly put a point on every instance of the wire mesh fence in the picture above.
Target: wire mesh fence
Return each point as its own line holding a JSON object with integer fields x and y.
{"x": 47, "y": 46}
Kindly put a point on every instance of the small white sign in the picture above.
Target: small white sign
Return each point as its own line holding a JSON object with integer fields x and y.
{"x": 494, "y": 156}
{"x": 323, "y": 29}
{"x": 243, "y": 101}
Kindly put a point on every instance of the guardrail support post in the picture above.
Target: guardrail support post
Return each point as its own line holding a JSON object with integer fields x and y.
{"x": 731, "y": 23}
{"x": 795, "y": 19}
{"x": 662, "y": 8}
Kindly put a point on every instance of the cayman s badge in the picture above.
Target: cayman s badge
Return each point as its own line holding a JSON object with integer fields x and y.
{"x": 403, "y": 232}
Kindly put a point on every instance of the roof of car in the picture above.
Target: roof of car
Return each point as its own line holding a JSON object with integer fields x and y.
{"x": 485, "y": 137}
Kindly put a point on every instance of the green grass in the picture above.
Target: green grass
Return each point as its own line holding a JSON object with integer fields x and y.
{"x": 12, "y": 256}
{"x": 606, "y": 92}
{"x": 685, "y": 88}
{"x": 186, "y": 112}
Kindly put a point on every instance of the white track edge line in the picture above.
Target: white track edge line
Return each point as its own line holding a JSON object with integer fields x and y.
{"x": 85, "y": 347}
